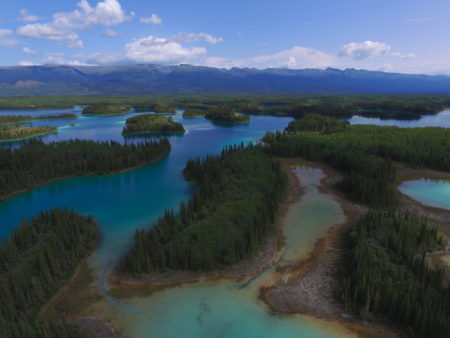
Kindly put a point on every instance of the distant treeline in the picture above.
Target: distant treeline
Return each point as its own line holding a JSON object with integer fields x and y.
{"x": 364, "y": 153}
{"x": 227, "y": 220}
{"x": 385, "y": 274}
{"x": 35, "y": 261}
{"x": 383, "y": 106}
{"x": 102, "y": 109}
{"x": 36, "y": 162}
{"x": 28, "y": 118}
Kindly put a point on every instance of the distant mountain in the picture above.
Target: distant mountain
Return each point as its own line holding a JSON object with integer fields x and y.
{"x": 186, "y": 79}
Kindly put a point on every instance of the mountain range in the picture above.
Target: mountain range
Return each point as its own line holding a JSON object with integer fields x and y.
{"x": 187, "y": 79}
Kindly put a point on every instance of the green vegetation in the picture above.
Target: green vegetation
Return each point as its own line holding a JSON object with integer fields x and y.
{"x": 317, "y": 123}
{"x": 383, "y": 106}
{"x": 227, "y": 220}
{"x": 386, "y": 276}
{"x": 35, "y": 261}
{"x": 226, "y": 114}
{"x": 36, "y": 163}
{"x": 106, "y": 110}
{"x": 19, "y": 132}
{"x": 26, "y": 118}
{"x": 191, "y": 113}
{"x": 151, "y": 123}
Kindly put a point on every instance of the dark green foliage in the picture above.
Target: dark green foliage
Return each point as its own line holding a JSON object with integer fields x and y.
{"x": 151, "y": 123}
{"x": 386, "y": 276}
{"x": 34, "y": 263}
{"x": 227, "y": 219}
{"x": 106, "y": 109}
{"x": 27, "y": 118}
{"x": 367, "y": 178}
{"x": 19, "y": 132}
{"x": 190, "y": 113}
{"x": 317, "y": 123}
{"x": 36, "y": 162}
{"x": 226, "y": 114}
{"x": 157, "y": 106}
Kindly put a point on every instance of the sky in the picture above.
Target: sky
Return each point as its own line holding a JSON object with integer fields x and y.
{"x": 406, "y": 36}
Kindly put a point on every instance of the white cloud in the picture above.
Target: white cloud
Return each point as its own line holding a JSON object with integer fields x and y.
{"x": 110, "y": 33}
{"x": 364, "y": 50}
{"x": 64, "y": 24}
{"x": 75, "y": 44}
{"x": 26, "y": 63}
{"x": 153, "y": 19}
{"x": 27, "y": 17}
{"x": 28, "y": 51}
{"x": 296, "y": 58}
{"x": 404, "y": 56}
{"x": 194, "y": 37}
{"x": 7, "y": 38}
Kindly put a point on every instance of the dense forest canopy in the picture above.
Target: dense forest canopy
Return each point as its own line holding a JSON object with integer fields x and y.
{"x": 385, "y": 274}
{"x": 317, "y": 123}
{"x": 36, "y": 163}
{"x": 151, "y": 123}
{"x": 19, "y": 132}
{"x": 384, "y": 106}
{"x": 35, "y": 261}
{"x": 227, "y": 219}
{"x": 102, "y": 109}
{"x": 191, "y": 113}
{"x": 226, "y": 114}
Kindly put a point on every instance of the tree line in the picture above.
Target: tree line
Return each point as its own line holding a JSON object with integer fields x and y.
{"x": 37, "y": 162}
{"x": 28, "y": 118}
{"x": 227, "y": 219}
{"x": 385, "y": 274}
{"x": 35, "y": 261}
{"x": 150, "y": 123}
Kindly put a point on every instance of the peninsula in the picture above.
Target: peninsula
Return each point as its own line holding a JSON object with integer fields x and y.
{"x": 106, "y": 110}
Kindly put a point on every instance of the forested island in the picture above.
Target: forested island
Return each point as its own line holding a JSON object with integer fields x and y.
{"x": 192, "y": 113}
{"x": 227, "y": 114}
{"x": 317, "y": 123}
{"x": 106, "y": 110}
{"x": 36, "y": 163}
{"x": 20, "y": 132}
{"x": 27, "y": 118}
{"x": 227, "y": 219}
{"x": 35, "y": 261}
{"x": 385, "y": 274}
{"x": 151, "y": 123}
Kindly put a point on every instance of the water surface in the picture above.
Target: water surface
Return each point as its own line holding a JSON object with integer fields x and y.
{"x": 435, "y": 193}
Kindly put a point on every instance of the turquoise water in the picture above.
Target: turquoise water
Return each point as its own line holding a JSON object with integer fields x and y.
{"x": 439, "y": 120}
{"x": 435, "y": 193}
{"x": 225, "y": 309}
{"x": 123, "y": 203}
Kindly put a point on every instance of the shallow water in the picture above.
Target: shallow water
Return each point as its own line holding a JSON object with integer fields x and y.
{"x": 441, "y": 119}
{"x": 435, "y": 193}
{"x": 123, "y": 203}
{"x": 224, "y": 308}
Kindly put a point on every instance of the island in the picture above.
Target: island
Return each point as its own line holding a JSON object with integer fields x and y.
{"x": 227, "y": 114}
{"x": 193, "y": 113}
{"x": 103, "y": 109}
{"x": 27, "y": 118}
{"x": 19, "y": 132}
{"x": 28, "y": 166}
{"x": 151, "y": 123}
{"x": 317, "y": 123}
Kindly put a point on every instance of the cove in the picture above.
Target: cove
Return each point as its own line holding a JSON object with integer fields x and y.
{"x": 435, "y": 193}
{"x": 225, "y": 308}
{"x": 441, "y": 119}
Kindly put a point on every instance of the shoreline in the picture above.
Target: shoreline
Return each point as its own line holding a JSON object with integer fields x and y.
{"x": 5, "y": 198}
{"x": 30, "y": 137}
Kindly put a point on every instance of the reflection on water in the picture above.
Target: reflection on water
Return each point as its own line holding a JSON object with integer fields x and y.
{"x": 435, "y": 193}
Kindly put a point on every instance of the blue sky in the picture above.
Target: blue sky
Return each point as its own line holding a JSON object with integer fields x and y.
{"x": 399, "y": 36}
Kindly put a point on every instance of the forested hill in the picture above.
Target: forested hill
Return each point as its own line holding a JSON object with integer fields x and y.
{"x": 186, "y": 79}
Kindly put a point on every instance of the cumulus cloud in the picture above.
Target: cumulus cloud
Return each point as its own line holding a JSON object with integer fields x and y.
{"x": 404, "y": 56}
{"x": 64, "y": 24}
{"x": 7, "y": 38}
{"x": 364, "y": 50}
{"x": 153, "y": 19}
{"x": 28, "y": 51}
{"x": 296, "y": 58}
{"x": 26, "y": 63}
{"x": 194, "y": 37}
{"x": 27, "y": 17}
{"x": 110, "y": 33}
